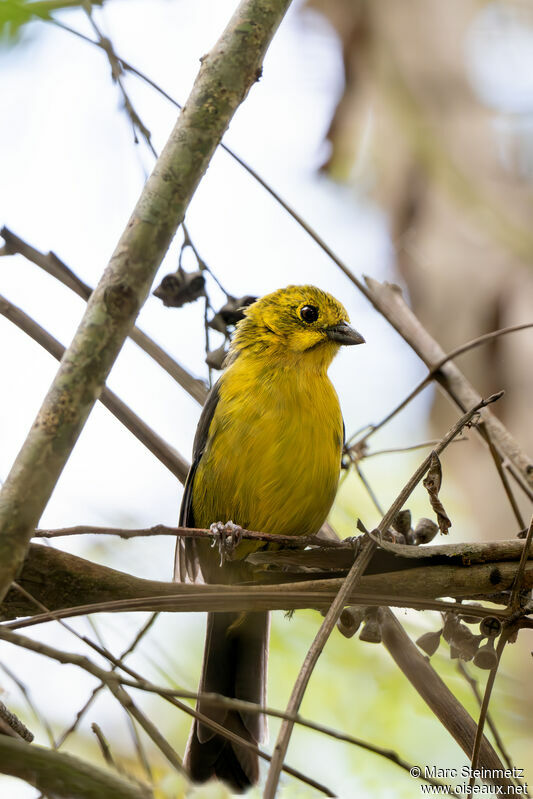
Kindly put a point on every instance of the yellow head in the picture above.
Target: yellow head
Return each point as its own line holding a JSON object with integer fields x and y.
{"x": 300, "y": 323}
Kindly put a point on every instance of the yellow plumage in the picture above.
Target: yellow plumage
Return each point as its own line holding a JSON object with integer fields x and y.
{"x": 267, "y": 456}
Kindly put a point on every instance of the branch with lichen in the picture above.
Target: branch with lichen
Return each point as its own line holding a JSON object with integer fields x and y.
{"x": 64, "y": 776}
{"x": 64, "y": 582}
{"x": 226, "y": 75}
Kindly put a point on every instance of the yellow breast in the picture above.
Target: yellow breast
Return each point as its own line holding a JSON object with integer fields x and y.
{"x": 273, "y": 451}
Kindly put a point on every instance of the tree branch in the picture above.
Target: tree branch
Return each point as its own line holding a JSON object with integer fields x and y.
{"x": 166, "y": 454}
{"x": 61, "y": 581}
{"x": 225, "y": 77}
{"x": 388, "y": 300}
{"x": 61, "y": 775}
{"x": 55, "y": 267}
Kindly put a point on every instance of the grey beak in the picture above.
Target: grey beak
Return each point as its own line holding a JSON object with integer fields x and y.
{"x": 344, "y": 334}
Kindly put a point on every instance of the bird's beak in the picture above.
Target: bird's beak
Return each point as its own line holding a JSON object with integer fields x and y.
{"x": 344, "y": 334}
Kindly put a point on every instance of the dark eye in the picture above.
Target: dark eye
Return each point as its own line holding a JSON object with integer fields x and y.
{"x": 309, "y": 313}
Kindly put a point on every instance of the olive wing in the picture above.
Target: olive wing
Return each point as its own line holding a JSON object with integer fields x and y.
{"x": 186, "y": 564}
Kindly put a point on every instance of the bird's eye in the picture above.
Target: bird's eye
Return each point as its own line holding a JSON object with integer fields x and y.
{"x": 309, "y": 313}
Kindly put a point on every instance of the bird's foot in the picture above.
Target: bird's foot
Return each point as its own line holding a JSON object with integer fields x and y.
{"x": 227, "y": 538}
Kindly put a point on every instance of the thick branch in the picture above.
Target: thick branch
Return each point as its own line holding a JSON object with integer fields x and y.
{"x": 59, "y": 580}
{"x": 60, "y": 775}
{"x": 226, "y": 75}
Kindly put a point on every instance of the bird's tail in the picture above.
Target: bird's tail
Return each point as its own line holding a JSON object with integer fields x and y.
{"x": 235, "y": 665}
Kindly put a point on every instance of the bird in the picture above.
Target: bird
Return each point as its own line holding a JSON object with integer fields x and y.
{"x": 267, "y": 456}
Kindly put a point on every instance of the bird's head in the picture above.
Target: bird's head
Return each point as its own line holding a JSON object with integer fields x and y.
{"x": 300, "y": 323}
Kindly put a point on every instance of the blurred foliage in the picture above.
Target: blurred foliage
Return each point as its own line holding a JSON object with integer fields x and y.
{"x": 15, "y": 14}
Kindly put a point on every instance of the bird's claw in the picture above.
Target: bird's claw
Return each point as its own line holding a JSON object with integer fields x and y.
{"x": 227, "y": 538}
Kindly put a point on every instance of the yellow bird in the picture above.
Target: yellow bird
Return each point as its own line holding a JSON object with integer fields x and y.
{"x": 267, "y": 455}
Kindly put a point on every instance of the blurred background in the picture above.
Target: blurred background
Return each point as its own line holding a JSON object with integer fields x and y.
{"x": 402, "y": 132}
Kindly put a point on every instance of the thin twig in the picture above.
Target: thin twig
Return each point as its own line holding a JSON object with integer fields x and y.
{"x": 280, "y": 596}
{"x": 140, "y": 750}
{"x": 435, "y": 368}
{"x": 280, "y": 749}
{"x": 114, "y": 682}
{"x": 42, "y": 720}
{"x": 57, "y": 269}
{"x": 189, "y": 532}
{"x": 368, "y": 488}
{"x": 79, "y": 715}
{"x": 15, "y": 725}
{"x": 504, "y": 480}
{"x": 514, "y": 602}
{"x": 104, "y": 747}
{"x": 485, "y": 704}
{"x": 401, "y": 450}
{"x": 492, "y": 726}
{"x": 117, "y": 690}
{"x": 368, "y": 548}
{"x": 166, "y": 454}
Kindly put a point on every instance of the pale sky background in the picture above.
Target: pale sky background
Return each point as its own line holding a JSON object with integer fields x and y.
{"x": 70, "y": 176}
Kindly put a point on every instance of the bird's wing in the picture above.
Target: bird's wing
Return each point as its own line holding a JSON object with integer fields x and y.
{"x": 186, "y": 567}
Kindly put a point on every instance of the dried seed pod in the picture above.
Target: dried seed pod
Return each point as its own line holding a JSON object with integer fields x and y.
{"x": 371, "y": 632}
{"x": 463, "y": 643}
{"x": 350, "y": 620}
{"x": 425, "y": 531}
{"x": 432, "y": 483}
{"x": 429, "y": 642}
{"x": 217, "y": 323}
{"x": 486, "y": 657}
{"x": 402, "y": 522}
{"x": 490, "y": 627}
{"x": 180, "y": 287}
{"x": 233, "y": 310}
{"x": 215, "y": 359}
{"x": 393, "y": 537}
{"x": 230, "y": 313}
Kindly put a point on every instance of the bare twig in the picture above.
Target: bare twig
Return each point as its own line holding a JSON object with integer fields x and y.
{"x": 166, "y": 454}
{"x": 114, "y": 682}
{"x": 188, "y": 532}
{"x": 504, "y": 479}
{"x": 476, "y": 749}
{"x": 17, "y": 728}
{"x": 64, "y": 776}
{"x": 433, "y": 371}
{"x": 55, "y": 267}
{"x": 437, "y": 695}
{"x": 492, "y": 726}
{"x": 514, "y": 602}
{"x": 79, "y": 715}
{"x": 388, "y": 299}
{"x": 29, "y": 701}
{"x": 104, "y": 746}
{"x": 401, "y": 450}
{"x": 140, "y": 750}
{"x": 353, "y": 578}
